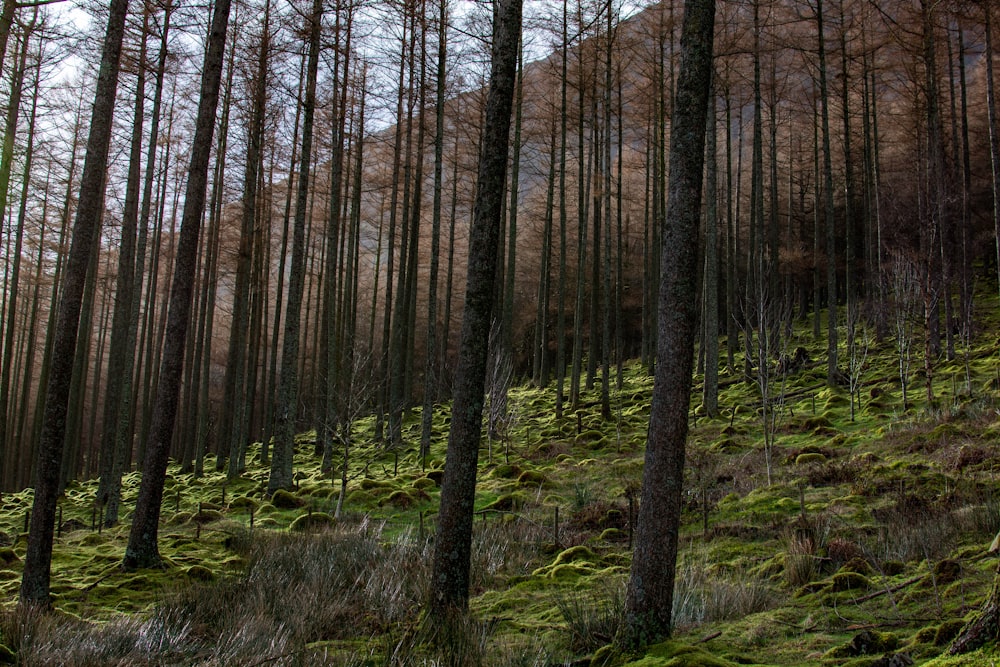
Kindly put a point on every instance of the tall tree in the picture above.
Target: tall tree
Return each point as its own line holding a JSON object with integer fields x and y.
{"x": 431, "y": 372}
{"x": 828, "y": 208}
{"x": 287, "y": 397}
{"x": 38, "y": 555}
{"x": 649, "y": 596}
{"x": 234, "y": 398}
{"x": 124, "y": 295}
{"x": 142, "y": 549}
{"x": 453, "y": 543}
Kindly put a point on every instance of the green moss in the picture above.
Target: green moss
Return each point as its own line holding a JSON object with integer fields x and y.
{"x": 606, "y": 656}
{"x": 406, "y": 500}
{"x": 866, "y": 642}
{"x": 574, "y": 554}
{"x": 849, "y": 581}
{"x": 286, "y": 500}
{"x": 243, "y": 503}
{"x": 857, "y": 565}
{"x": 8, "y": 556}
{"x": 506, "y": 471}
{"x": 891, "y": 568}
{"x": 532, "y": 478}
{"x": 508, "y": 502}
{"x": 311, "y": 522}
{"x": 207, "y": 516}
{"x": 809, "y": 458}
{"x": 947, "y": 571}
{"x": 423, "y": 483}
{"x": 200, "y": 573}
{"x": 677, "y": 654}
{"x": 948, "y": 631}
{"x": 9, "y": 575}
{"x": 613, "y": 535}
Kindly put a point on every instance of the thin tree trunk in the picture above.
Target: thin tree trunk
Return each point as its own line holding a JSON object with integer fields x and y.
{"x": 649, "y": 596}
{"x": 38, "y": 557}
{"x": 431, "y": 363}
{"x": 453, "y": 541}
{"x": 286, "y": 399}
{"x": 142, "y": 549}
{"x": 110, "y": 470}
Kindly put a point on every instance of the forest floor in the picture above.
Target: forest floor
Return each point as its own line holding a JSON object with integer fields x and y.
{"x": 857, "y": 541}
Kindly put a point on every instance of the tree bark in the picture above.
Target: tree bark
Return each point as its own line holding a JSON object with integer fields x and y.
{"x": 649, "y": 596}
{"x": 38, "y": 556}
{"x": 287, "y": 397}
{"x": 453, "y": 542}
{"x": 142, "y": 549}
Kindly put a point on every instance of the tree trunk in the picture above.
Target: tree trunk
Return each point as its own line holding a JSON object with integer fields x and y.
{"x": 38, "y": 556}
{"x": 452, "y": 546}
{"x": 142, "y": 549}
{"x": 286, "y": 400}
{"x": 110, "y": 469}
{"x": 649, "y": 596}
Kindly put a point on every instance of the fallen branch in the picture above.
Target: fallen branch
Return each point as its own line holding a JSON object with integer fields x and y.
{"x": 886, "y": 591}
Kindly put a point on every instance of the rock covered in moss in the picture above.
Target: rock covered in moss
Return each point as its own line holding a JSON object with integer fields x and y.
{"x": 947, "y": 571}
{"x": 866, "y": 642}
{"x": 678, "y": 654}
{"x": 424, "y": 483}
{"x": 576, "y": 554}
{"x": 508, "y": 502}
{"x": 286, "y": 500}
{"x": 857, "y": 565}
{"x": 613, "y": 535}
{"x": 849, "y": 581}
{"x": 891, "y": 568}
{"x": 532, "y": 478}
{"x": 506, "y": 471}
{"x": 948, "y": 631}
{"x": 311, "y": 522}
{"x": 179, "y": 517}
{"x": 406, "y": 499}
{"x": 243, "y": 503}
{"x": 810, "y": 458}
{"x": 207, "y": 516}
{"x": 8, "y": 556}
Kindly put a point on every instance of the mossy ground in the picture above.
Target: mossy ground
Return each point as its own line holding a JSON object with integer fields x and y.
{"x": 789, "y": 552}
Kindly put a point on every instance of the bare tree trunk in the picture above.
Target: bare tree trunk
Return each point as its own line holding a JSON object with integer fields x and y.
{"x": 649, "y": 596}
{"x": 452, "y": 546}
{"x": 831, "y": 232}
{"x": 108, "y": 489}
{"x": 286, "y": 400}
{"x": 142, "y": 549}
{"x": 38, "y": 556}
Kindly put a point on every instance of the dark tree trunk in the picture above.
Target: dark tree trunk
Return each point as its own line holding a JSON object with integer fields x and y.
{"x": 111, "y": 469}
{"x": 452, "y": 547}
{"x": 142, "y": 549}
{"x": 286, "y": 401}
{"x": 38, "y": 556}
{"x": 649, "y": 596}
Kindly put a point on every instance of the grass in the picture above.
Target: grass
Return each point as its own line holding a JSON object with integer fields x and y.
{"x": 879, "y": 524}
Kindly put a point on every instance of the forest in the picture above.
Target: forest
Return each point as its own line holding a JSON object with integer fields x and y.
{"x": 254, "y": 245}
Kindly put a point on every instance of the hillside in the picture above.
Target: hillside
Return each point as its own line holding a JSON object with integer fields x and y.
{"x": 863, "y": 538}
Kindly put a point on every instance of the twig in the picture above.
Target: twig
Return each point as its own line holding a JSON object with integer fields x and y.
{"x": 709, "y": 638}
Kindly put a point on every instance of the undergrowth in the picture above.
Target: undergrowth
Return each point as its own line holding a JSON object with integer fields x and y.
{"x": 878, "y": 524}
